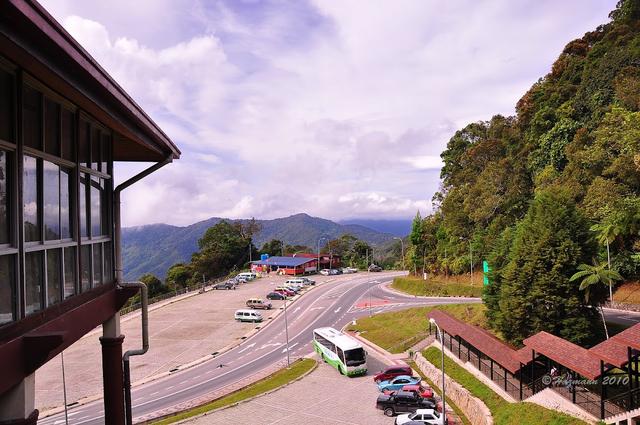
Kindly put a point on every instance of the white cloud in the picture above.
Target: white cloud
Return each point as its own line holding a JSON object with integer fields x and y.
{"x": 334, "y": 108}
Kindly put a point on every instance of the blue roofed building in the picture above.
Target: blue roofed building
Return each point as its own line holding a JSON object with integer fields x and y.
{"x": 293, "y": 266}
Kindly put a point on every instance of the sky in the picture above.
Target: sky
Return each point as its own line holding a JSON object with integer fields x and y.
{"x": 336, "y": 108}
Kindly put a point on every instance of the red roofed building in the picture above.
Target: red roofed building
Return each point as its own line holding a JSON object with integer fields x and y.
{"x": 525, "y": 371}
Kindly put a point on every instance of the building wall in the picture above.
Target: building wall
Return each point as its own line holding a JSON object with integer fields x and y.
{"x": 56, "y": 232}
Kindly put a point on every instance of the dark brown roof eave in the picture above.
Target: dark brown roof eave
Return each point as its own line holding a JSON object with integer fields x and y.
{"x": 97, "y": 86}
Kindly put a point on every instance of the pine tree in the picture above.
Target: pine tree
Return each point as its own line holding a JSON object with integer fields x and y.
{"x": 536, "y": 293}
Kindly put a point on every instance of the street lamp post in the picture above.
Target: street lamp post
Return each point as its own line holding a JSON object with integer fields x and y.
{"x": 424, "y": 260}
{"x": 470, "y": 258}
{"x": 286, "y": 331}
{"x": 318, "y": 265}
{"x": 402, "y": 248}
{"x": 444, "y": 410}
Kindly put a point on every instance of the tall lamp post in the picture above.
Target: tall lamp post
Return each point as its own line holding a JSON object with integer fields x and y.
{"x": 444, "y": 410}
{"x": 470, "y": 258}
{"x": 318, "y": 265}
{"x": 402, "y": 248}
{"x": 286, "y": 330}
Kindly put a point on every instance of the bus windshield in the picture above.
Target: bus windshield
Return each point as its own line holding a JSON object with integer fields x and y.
{"x": 354, "y": 357}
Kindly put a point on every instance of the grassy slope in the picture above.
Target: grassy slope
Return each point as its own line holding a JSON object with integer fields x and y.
{"x": 278, "y": 379}
{"x": 504, "y": 413}
{"x": 398, "y": 331}
{"x": 439, "y": 286}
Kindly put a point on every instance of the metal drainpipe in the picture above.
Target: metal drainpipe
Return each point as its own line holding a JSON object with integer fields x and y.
{"x": 142, "y": 286}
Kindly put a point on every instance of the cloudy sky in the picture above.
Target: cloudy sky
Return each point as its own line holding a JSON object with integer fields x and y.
{"x": 335, "y": 108}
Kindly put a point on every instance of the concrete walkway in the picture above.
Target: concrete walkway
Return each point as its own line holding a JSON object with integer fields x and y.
{"x": 324, "y": 397}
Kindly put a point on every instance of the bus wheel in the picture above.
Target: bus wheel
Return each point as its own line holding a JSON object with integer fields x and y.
{"x": 341, "y": 371}
{"x": 388, "y": 411}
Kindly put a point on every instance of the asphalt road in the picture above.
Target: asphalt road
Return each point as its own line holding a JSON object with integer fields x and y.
{"x": 330, "y": 304}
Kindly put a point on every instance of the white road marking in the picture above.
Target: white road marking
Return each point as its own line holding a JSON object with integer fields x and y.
{"x": 284, "y": 350}
{"x": 338, "y": 309}
{"x": 246, "y": 348}
{"x": 270, "y": 345}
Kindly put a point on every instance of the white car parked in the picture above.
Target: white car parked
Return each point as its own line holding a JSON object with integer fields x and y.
{"x": 325, "y": 272}
{"x": 425, "y": 416}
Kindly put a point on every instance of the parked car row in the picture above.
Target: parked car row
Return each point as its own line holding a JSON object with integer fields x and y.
{"x": 333, "y": 272}
{"x": 406, "y": 396}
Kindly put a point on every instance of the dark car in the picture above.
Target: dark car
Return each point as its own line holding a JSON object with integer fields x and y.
{"x": 275, "y": 296}
{"x": 224, "y": 285}
{"x": 374, "y": 268}
{"x": 402, "y": 402}
{"x": 392, "y": 372}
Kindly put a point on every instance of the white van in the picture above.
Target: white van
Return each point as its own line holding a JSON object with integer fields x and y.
{"x": 247, "y": 275}
{"x": 295, "y": 282}
{"x": 248, "y": 316}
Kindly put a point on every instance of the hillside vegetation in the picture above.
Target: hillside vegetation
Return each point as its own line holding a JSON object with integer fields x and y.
{"x": 547, "y": 191}
{"x": 156, "y": 247}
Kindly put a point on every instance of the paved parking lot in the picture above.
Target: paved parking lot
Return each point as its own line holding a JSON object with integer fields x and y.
{"x": 323, "y": 397}
{"x": 180, "y": 333}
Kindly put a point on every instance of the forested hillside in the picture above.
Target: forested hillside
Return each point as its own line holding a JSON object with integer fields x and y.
{"x": 156, "y": 247}
{"x": 539, "y": 193}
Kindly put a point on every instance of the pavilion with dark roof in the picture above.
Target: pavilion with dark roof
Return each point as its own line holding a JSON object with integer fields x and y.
{"x": 608, "y": 373}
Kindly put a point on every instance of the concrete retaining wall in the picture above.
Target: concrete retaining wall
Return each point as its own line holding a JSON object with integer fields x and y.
{"x": 474, "y": 409}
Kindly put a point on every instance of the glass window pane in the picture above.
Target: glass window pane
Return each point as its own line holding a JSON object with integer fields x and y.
{"x": 108, "y": 263}
{"x": 95, "y": 148}
{"x": 51, "y": 201}
{"x": 69, "y": 271}
{"x": 106, "y": 152}
{"x": 67, "y": 121}
{"x": 30, "y": 200}
{"x": 66, "y": 218}
{"x": 96, "y": 206}
{"x": 51, "y": 127}
{"x": 97, "y": 264}
{"x": 7, "y": 289}
{"x": 83, "y": 143}
{"x": 105, "y": 207}
{"x": 32, "y": 124}
{"x": 83, "y": 206}
{"x": 33, "y": 281}
{"x": 85, "y": 264}
{"x": 54, "y": 276}
{"x": 6, "y": 107}
{"x": 4, "y": 201}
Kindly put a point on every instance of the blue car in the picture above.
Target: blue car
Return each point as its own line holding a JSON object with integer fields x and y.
{"x": 398, "y": 382}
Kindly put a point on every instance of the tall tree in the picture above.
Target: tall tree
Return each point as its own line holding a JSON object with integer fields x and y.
{"x": 223, "y": 247}
{"x": 536, "y": 293}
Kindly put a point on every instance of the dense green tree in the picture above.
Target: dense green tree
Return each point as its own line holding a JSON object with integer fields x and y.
{"x": 535, "y": 289}
{"x": 223, "y": 247}
{"x": 273, "y": 247}
{"x": 179, "y": 275}
{"x": 155, "y": 286}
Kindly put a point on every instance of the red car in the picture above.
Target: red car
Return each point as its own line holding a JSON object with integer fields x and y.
{"x": 421, "y": 390}
{"x": 286, "y": 292}
{"x": 392, "y": 372}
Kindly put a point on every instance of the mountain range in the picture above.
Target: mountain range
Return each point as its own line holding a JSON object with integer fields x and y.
{"x": 154, "y": 248}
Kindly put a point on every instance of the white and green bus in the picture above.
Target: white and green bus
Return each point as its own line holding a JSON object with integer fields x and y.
{"x": 340, "y": 351}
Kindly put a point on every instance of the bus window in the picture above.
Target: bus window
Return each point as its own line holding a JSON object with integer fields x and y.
{"x": 354, "y": 357}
